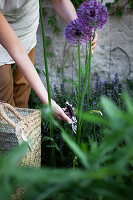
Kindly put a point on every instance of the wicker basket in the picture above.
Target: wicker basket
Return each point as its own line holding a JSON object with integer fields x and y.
{"x": 18, "y": 125}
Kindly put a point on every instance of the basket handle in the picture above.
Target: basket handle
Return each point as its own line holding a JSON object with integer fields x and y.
{"x": 13, "y": 110}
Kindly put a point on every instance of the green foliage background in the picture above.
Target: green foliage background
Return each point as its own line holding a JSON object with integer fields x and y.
{"x": 77, "y": 3}
{"x": 101, "y": 171}
{"x": 106, "y": 170}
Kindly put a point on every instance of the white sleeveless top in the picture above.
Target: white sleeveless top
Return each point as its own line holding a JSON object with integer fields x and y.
{"x": 23, "y": 16}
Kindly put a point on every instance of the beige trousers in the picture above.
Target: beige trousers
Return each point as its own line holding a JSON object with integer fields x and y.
{"x": 14, "y": 89}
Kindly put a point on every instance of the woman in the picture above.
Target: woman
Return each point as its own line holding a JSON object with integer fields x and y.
{"x": 18, "y": 26}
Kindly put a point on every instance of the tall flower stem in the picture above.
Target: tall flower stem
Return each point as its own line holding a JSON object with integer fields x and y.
{"x": 83, "y": 95}
{"x": 89, "y": 76}
{"x": 79, "y": 87}
{"x": 86, "y": 57}
{"x": 47, "y": 79}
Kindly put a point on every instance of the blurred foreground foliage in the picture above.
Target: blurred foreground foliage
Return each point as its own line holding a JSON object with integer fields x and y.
{"x": 106, "y": 170}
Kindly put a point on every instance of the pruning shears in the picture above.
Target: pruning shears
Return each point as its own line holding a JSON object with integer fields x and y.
{"x": 72, "y": 116}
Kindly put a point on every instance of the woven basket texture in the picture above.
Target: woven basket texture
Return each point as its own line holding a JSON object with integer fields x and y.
{"x": 17, "y": 124}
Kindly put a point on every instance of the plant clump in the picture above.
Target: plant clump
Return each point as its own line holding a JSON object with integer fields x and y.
{"x": 91, "y": 15}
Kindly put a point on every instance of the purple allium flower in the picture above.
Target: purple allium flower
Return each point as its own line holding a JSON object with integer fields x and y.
{"x": 92, "y": 14}
{"x": 95, "y": 103}
{"x": 116, "y": 77}
{"x": 54, "y": 86}
{"x": 85, "y": 104}
{"x": 75, "y": 33}
{"x": 62, "y": 87}
{"x": 45, "y": 129}
{"x": 113, "y": 82}
{"x": 115, "y": 87}
{"x": 108, "y": 94}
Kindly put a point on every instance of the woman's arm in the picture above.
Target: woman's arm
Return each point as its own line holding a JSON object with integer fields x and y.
{"x": 13, "y": 45}
{"x": 65, "y": 9}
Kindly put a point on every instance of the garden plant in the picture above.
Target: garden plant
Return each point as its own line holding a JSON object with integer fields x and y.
{"x": 106, "y": 168}
{"x": 96, "y": 162}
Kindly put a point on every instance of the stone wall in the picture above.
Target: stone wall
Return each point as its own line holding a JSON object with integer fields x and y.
{"x": 114, "y": 51}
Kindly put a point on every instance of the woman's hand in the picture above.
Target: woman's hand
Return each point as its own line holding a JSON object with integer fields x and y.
{"x": 59, "y": 113}
{"x": 94, "y": 41}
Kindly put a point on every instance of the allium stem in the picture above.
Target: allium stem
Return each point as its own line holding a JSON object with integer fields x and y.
{"x": 79, "y": 85}
{"x": 83, "y": 95}
{"x": 89, "y": 77}
{"x": 47, "y": 79}
{"x": 86, "y": 57}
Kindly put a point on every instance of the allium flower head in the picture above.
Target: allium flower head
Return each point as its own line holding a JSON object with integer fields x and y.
{"x": 75, "y": 32}
{"x": 92, "y": 14}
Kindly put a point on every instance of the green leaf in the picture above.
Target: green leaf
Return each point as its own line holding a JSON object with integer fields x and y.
{"x": 75, "y": 148}
{"x": 94, "y": 118}
{"x": 13, "y": 157}
{"x": 111, "y": 109}
{"x": 96, "y": 111}
{"x": 108, "y": 5}
{"x": 129, "y": 84}
{"x": 119, "y": 11}
{"x": 128, "y": 103}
